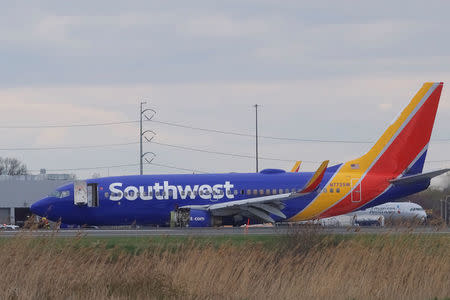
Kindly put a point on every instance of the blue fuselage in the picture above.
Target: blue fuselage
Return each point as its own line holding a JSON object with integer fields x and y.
{"x": 150, "y": 199}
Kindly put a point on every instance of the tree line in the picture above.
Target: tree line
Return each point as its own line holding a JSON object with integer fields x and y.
{"x": 12, "y": 166}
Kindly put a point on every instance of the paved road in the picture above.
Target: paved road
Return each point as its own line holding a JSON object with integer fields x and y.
{"x": 218, "y": 231}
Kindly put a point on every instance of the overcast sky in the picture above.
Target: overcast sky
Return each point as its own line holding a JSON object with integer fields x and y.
{"x": 329, "y": 70}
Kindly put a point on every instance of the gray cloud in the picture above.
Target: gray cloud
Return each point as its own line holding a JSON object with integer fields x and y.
{"x": 108, "y": 42}
{"x": 323, "y": 69}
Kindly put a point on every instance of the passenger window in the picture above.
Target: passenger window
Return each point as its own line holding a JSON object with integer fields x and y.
{"x": 280, "y": 191}
{"x": 338, "y": 190}
{"x": 242, "y": 192}
{"x": 267, "y": 192}
{"x": 249, "y": 192}
{"x": 236, "y": 192}
{"x": 286, "y": 191}
{"x": 274, "y": 191}
{"x": 261, "y": 192}
{"x": 255, "y": 192}
{"x": 331, "y": 190}
{"x": 106, "y": 195}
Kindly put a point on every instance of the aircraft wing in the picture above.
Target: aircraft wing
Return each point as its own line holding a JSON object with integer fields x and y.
{"x": 419, "y": 177}
{"x": 264, "y": 206}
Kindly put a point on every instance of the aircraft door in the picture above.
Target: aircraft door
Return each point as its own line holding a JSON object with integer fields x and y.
{"x": 356, "y": 190}
{"x": 85, "y": 194}
{"x": 80, "y": 192}
{"x": 92, "y": 194}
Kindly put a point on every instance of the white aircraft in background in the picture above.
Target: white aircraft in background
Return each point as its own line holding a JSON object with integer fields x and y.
{"x": 395, "y": 211}
{"x": 406, "y": 211}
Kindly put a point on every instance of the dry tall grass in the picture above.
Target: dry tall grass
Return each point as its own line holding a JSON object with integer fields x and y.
{"x": 382, "y": 267}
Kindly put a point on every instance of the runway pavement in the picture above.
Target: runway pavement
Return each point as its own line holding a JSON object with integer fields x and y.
{"x": 218, "y": 231}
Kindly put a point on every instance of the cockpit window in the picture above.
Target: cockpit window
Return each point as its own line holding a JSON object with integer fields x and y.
{"x": 60, "y": 194}
{"x": 55, "y": 194}
{"x": 65, "y": 194}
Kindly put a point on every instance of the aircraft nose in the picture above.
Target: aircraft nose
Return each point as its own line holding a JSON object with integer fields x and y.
{"x": 40, "y": 207}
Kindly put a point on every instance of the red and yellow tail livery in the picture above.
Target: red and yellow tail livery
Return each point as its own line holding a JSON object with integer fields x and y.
{"x": 403, "y": 143}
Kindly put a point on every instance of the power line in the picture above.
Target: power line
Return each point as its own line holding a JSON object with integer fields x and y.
{"x": 177, "y": 168}
{"x": 227, "y": 153}
{"x": 135, "y": 143}
{"x": 235, "y": 133}
{"x": 270, "y": 137}
{"x": 166, "y": 145}
{"x": 252, "y": 156}
{"x": 65, "y": 125}
{"x": 67, "y": 147}
{"x": 121, "y": 166}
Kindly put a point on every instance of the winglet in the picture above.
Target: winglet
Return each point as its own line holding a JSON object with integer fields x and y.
{"x": 296, "y": 167}
{"x": 315, "y": 180}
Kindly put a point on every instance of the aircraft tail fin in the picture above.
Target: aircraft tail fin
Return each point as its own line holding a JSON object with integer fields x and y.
{"x": 403, "y": 146}
{"x": 296, "y": 167}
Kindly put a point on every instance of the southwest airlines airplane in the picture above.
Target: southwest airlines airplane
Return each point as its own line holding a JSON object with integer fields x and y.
{"x": 390, "y": 170}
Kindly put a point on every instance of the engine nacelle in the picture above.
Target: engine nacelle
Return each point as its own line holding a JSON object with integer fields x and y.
{"x": 199, "y": 218}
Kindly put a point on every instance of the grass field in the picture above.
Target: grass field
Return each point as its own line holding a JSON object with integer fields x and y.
{"x": 300, "y": 265}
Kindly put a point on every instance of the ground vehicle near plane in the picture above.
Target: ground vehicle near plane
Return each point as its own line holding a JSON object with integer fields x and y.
{"x": 8, "y": 227}
{"x": 391, "y": 169}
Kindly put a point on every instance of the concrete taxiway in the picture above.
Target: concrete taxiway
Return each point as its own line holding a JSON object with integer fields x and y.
{"x": 220, "y": 231}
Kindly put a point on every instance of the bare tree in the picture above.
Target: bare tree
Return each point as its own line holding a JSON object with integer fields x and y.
{"x": 12, "y": 166}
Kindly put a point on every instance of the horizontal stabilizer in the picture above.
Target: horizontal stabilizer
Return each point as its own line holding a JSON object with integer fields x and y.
{"x": 419, "y": 177}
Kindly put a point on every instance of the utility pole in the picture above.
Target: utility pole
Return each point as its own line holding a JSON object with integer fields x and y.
{"x": 256, "y": 136}
{"x": 140, "y": 139}
{"x": 142, "y": 134}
